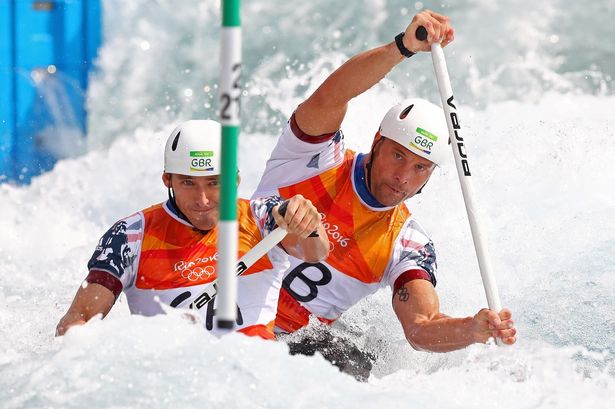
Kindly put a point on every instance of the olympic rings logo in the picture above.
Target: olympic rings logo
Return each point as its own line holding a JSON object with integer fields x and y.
{"x": 198, "y": 273}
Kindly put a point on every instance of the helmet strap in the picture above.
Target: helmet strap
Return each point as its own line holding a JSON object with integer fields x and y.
{"x": 175, "y": 206}
{"x": 368, "y": 165}
{"x": 181, "y": 214}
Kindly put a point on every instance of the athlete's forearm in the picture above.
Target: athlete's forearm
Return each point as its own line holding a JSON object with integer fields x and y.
{"x": 441, "y": 334}
{"x": 91, "y": 300}
{"x": 68, "y": 321}
{"x": 358, "y": 74}
{"x": 314, "y": 249}
{"x": 425, "y": 327}
{"x": 324, "y": 111}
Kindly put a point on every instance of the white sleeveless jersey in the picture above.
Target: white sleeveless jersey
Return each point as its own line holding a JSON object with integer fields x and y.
{"x": 156, "y": 258}
{"x": 370, "y": 246}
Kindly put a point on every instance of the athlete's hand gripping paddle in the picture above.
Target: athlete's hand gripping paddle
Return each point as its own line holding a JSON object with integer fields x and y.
{"x": 463, "y": 170}
{"x": 248, "y": 259}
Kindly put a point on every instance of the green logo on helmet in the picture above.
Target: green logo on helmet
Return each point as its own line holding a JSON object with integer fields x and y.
{"x": 201, "y": 161}
{"x": 201, "y": 154}
{"x": 424, "y": 141}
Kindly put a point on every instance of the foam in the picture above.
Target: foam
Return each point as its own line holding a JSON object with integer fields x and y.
{"x": 543, "y": 172}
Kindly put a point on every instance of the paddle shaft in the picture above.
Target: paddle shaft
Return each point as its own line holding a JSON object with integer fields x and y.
{"x": 463, "y": 171}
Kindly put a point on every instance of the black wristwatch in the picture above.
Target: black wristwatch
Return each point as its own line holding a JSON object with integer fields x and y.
{"x": 399, "y": 41}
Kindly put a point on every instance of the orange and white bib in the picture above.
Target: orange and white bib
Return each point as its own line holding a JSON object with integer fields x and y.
{"x": 370, "y": 246}
{"x": 159, "y": 258}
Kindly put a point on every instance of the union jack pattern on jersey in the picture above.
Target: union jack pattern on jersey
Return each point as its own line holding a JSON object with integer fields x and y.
{"x": 155, "y": 257}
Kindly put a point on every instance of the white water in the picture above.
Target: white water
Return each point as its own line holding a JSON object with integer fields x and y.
{"x": 544, "y": 172}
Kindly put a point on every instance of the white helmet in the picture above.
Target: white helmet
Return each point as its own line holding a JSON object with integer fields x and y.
{"x": 420, "y": 127}
{"x": 193, "y": 149}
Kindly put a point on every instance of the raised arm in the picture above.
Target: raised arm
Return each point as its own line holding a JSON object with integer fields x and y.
{"x": 426, "y": 328}
{"x": 301, "y": 219}
{"x": 324, "y": 111}
{"x": 89, "y": 301}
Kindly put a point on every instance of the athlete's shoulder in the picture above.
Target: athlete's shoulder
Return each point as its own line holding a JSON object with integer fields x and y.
{"x": 132, "y": 223}
{"x": 298, "y": 156}
{"x": 414, "y": 241}
{"x": 294, "y": 128}
{"x": 414, "y": 256}
{"x": 416, "y": 226}
{"x": 153, "y": 209}
{"x": 411, "y": 234}
{"x": 161, "y": 216}
{"x": 119, "y": 246}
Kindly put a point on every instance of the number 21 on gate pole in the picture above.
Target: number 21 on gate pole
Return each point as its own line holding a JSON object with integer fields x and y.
{"x": 230, "y": 94}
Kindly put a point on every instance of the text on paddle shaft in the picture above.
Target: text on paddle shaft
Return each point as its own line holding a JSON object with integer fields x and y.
{"x": 460, "y": 145}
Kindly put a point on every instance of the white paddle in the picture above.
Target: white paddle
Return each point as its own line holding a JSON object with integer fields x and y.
{"x": 463, "y": 170}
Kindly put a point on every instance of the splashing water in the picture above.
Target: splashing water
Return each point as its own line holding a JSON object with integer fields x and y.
{"x": 536, "y": 101}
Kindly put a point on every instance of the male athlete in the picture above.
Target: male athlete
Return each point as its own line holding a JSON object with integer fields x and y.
{"x": 374, "y": 240}
{"x": 166, "y": 254}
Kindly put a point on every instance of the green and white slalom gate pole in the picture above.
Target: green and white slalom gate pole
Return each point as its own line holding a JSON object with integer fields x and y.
{"x": 463, "y": 170}
{"x": 230, "y": 93}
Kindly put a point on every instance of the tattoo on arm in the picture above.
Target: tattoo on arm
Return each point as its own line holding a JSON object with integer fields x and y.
{"x": 403, "y": 294}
